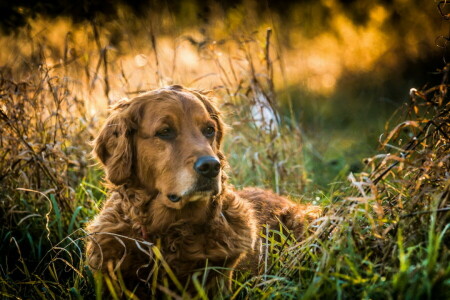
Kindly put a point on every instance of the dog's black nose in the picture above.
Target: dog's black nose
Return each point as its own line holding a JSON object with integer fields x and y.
{"x": 207, "y": 166}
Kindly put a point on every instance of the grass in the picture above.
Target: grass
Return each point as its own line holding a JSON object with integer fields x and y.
{"x": 384, "y": 233}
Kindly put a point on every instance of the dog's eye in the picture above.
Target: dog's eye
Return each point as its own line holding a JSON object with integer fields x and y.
{"x": 209, "y": 131}
{"x": 166, "y": 133}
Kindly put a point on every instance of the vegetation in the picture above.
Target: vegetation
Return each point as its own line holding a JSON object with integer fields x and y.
{"x": 384, "y": 233}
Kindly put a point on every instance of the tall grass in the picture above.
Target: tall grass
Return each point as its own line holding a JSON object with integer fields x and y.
{"x": 384, "y": 231}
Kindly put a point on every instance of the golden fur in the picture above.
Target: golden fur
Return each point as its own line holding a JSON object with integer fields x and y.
{"x": 150, "y": 147}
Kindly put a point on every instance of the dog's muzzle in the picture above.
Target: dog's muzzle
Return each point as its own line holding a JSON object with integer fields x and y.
{"x": 207, "y": 183}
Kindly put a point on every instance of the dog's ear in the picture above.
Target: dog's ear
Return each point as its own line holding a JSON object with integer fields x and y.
{"x": 113, "y": 148}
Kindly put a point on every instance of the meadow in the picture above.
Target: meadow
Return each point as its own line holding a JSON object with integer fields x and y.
{"x": 306, "y": 121}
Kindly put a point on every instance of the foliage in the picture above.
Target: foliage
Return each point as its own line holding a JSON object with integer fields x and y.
{"x": 383, "y": 234}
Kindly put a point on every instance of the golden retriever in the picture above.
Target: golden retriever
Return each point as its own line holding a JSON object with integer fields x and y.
{"x": 161, "y": 153}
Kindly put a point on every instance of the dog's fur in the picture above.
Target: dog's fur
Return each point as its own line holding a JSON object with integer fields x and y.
{"x": 148, "y": 147}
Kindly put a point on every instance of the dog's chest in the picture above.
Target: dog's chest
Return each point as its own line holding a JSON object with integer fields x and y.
{"x": 189, "y": 240}
{"x": 195, "y": 243}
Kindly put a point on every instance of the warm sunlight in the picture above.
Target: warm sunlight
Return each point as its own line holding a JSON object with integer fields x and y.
{"x": 234, "y": 149}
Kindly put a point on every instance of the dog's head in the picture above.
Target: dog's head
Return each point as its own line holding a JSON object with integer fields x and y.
{"x": 167, "y": 142}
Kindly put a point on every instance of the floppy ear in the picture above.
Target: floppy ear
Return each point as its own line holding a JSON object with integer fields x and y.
{"x": 113, "y": 148}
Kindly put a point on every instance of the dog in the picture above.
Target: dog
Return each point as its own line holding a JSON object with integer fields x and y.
{"x": 170, "y": 207}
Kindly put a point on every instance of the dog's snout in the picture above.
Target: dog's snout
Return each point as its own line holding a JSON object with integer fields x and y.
{"x": 207, "y": 166}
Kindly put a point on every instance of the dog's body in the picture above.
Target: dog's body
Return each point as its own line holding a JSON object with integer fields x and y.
{"x": 161, "y": 152}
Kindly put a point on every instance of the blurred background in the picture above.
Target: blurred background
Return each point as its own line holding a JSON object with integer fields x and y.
{"x": 332, "y": 71}
{"x": 309, "y": 89}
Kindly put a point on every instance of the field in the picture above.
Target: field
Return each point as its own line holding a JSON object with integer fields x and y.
{"x": 305, "y": 121}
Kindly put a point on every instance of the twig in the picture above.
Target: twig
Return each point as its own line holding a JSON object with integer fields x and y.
{"x": 155, "y": 51}
{"x": 103, "y": 58}
{"x": 34, "y": 154}
{"x": 414, "y": 142}
{"x": 425, "y": 212}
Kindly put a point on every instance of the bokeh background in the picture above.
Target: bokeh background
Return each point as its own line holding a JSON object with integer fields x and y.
{"x": 340, "y": 68}
{"x": 338, "y": 103}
